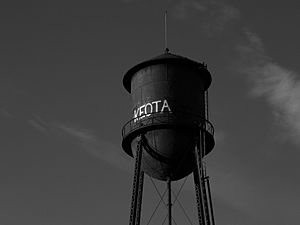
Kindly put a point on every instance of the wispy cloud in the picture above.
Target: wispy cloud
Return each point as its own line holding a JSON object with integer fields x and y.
{"x": 39, "y": 124}
{"x": 5, "y": 113}
{"x": 215, "y": 15}
{"x": 85, "y": 138}
{"x": 81, "y": 135}
{"x": 212, "y": 15}
{"x": 101, "y": 149}
{"x": 184, "y": 8}
{"x": 278, "y": 85}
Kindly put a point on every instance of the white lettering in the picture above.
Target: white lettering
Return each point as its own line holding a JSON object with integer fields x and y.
{"x": 148, "y": 113}
{"x": 165, "y": 105}
{"x": 142, "y": 113}
{"x": 136, "y": 114}
{"x": 156, "y": 105}
{"x": 149, "y": 108}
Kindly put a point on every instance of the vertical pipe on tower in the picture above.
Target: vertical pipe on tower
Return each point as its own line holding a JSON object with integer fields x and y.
{"x": 206, "y": 105}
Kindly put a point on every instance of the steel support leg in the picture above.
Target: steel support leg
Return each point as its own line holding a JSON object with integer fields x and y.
{"x": 199, "y": 198}
{"x": 210, "y": 202}
{"x": 205, "y": 202}
{"x": 197, "y": 179}
{"x": 140, "y": 198}
{"x": 137, "y": 187}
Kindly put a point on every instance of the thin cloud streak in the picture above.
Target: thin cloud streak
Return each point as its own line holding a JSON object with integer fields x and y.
{"x": 85, "y": 138}
{"x": 279, "y": 86}
{"x": 82, "y": 135}
{"x": 39, "y": 124}
{"x": 216, "y": 15}
{"x": 103, "y": 150}
{"x": 5, "y": 113}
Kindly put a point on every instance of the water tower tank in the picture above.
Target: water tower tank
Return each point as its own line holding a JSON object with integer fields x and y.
{"x": 168, "y": 109}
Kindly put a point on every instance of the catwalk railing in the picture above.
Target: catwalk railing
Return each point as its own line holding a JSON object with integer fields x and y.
{"x": 167, "y": 118}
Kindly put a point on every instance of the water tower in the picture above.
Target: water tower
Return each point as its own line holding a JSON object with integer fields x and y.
{"x": 169, "y": 133}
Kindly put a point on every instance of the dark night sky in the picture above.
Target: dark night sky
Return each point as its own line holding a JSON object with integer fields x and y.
{"x": 62, "y": 107}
